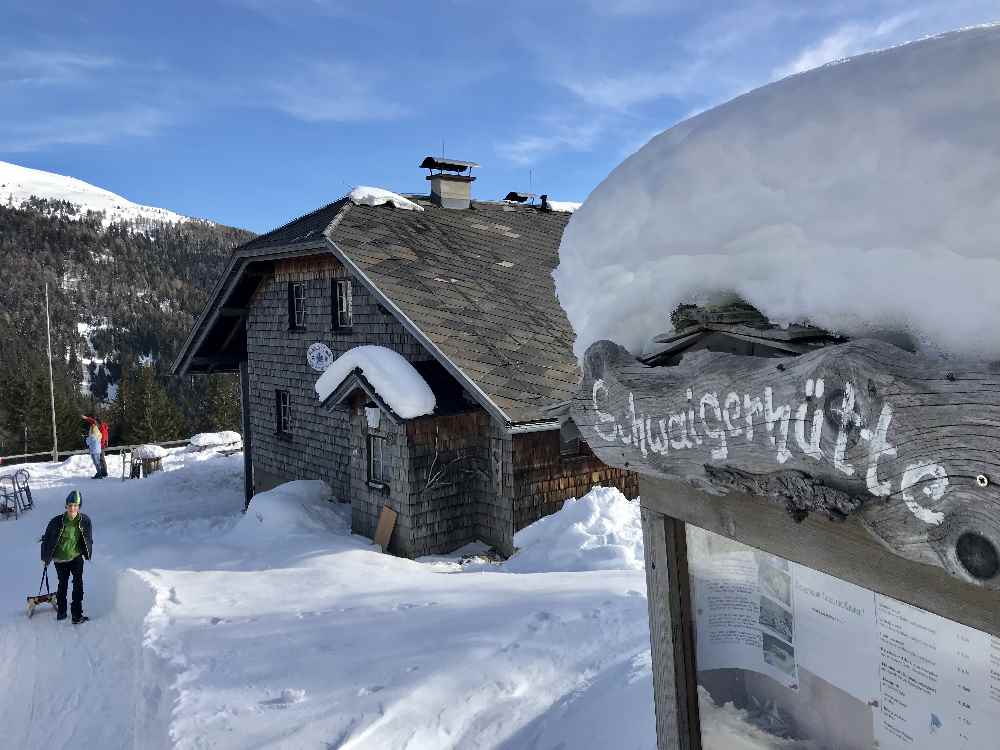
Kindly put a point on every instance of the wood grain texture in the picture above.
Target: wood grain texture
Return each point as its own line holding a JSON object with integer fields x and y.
{"x": 670, "y": 633}
{"x": 857, "y": 429}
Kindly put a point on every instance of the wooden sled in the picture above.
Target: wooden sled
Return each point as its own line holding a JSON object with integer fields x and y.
{"x": 47, "y": 598}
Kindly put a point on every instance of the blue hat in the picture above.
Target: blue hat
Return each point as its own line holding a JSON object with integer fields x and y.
{"x": 74, "y": 498}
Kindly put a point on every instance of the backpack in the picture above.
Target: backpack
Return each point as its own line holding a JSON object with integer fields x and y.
{"x": 105, "y": 437}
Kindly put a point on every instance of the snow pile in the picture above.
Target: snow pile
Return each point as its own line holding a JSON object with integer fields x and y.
{"x": 287, "y": 509}
{"x": 364, "y": 195}
{"x": 211, "y": 628}
{"x": 600, "y": 531}
{"x": 224, "y": 439}
{"x": 564, "y": 206}
{"x": 860, "y": 196}
{"x": 149, "y": 452}
{"x": 18, "y": 184}
{"x": 392, "y": 377}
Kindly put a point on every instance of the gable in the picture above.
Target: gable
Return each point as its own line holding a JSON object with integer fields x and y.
{"x": 478, "y": 284}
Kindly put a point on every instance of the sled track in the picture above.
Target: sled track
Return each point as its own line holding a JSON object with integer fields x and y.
{"x": 93, "y": 685}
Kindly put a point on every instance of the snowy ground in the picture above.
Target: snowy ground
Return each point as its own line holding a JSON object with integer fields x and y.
{"x": 280, "y": 629}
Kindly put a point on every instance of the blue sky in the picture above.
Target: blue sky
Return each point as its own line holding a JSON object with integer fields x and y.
{"x": 250, "y": 112}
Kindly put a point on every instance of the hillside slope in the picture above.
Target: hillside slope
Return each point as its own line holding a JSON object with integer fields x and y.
{"x": 124, "y": 289}
{"x": 19, "y": 184}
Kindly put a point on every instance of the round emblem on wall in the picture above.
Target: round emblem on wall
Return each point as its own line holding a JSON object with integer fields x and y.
{"x": 319, "y": 357}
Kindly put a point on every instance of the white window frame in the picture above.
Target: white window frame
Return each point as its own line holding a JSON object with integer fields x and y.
{"x": 299, "y": 303}
{"x": 284, "y": 409}
{"x": 343, "y": 303}
{"x": 381, "y": 475}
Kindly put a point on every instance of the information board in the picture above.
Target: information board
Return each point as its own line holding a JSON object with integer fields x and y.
{"x": 875, "y": 669}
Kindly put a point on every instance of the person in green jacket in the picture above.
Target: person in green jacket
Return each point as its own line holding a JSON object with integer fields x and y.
{"x": 68, "y": 541}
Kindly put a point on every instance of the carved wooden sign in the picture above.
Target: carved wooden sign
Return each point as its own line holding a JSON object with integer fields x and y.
{"x": 909, "y": 444}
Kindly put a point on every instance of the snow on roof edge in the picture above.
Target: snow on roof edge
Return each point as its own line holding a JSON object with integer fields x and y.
{"x": 366, "y": 195}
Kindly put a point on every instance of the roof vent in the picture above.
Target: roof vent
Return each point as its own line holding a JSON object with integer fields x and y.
{"x": 451, "y": 183}
{"x": 546, "y": 206}
{"x": 516, "y": 197}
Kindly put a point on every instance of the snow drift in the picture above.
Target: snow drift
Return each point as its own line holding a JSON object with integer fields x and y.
{"x": 388, "y": 372}
{"x": 599, "y": 531}
{"x": 205, "y": 440}
{"x": 862, "y": 196}
{"x": 287, "y": 509}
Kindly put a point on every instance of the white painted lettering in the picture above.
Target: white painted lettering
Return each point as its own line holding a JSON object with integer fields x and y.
{"x": 602, "y": 416}
{"x": 731, "y": 412}
{"x": 711, "y": 400}
{"x": 781, "y": 415}
{"x": 811, "y": 446}
{"x": 878, "y": 447}
{"x": 934, "y": 490}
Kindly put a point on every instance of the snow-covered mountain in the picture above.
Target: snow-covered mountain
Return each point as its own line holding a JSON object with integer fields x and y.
{"x": 18, "y": 184}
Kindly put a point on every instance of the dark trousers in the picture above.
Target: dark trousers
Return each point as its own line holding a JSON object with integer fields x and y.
{"x": 104, "y": 465}
{"x": 63, "y": 570}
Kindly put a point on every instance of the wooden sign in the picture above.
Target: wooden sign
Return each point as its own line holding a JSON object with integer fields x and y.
{"x": 908, "y": 444}
{"x": 386, "y": 523}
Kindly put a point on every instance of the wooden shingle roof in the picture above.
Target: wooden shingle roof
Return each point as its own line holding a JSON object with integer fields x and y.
{"x": 474, "y": 284}
{"x": 478, "y": 283}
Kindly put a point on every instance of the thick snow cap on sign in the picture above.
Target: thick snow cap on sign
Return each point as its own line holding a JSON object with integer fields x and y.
{"x": 393, "y": 378}
{"x": 365, "y": 195}
{"x": 863, "y": 196}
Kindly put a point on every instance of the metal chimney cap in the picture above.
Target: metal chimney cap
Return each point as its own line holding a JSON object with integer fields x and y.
{"x": 519, "y": 197}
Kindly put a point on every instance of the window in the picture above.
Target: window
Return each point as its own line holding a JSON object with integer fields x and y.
{"x": 343, "y": 309}
{"x": 296, "y": 305}
{"x": 283, "y": 412}
{"x": 570, "y": 441}
{"x": 378, "y": 472}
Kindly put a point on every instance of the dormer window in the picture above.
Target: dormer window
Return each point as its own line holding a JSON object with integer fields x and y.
{"x": 296, "y": 305}
{"x": 343, "y": 306}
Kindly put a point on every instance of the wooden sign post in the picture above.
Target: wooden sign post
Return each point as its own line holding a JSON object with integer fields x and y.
{"x": 867, "y": 469}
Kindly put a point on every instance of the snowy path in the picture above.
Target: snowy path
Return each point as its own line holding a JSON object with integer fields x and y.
{"x": 279, "y": 629}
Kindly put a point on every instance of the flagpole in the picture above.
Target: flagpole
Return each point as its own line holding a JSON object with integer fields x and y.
{"x": 52, "y": 388}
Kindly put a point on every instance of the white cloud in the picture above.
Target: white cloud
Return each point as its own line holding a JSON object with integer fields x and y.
{"x": 43, "y": 67}
{"x": 553, "y": 134}
{"x": 91, "y": 128}
{"x": 332, "y": 91}
{"x": 623, "y": 91}
{"x": 850, "y": 39}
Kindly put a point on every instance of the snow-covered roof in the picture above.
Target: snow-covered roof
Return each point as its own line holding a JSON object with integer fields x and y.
{"x": 860, "y": 196}
{"x": 365, "y": 195}
{"x": 565, "y": 206}
{"x": 394, "y": 379}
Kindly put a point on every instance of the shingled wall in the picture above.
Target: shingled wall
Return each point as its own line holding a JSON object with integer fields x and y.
{"x": 319, "y": 446}
{"x": 448, "y": 480}
{"x": 543, "y": 479}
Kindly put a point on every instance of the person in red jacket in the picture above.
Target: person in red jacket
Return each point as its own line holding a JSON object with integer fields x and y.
{"x": 100, "y": 461}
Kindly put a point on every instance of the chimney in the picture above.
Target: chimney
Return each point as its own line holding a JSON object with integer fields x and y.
{"x": 450, "y": 188}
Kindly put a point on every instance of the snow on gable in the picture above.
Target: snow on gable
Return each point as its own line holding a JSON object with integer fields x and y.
{"x": 364, "y": 195}
{"x": 394, "y": 379}
{"x": 860, "y": 196}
